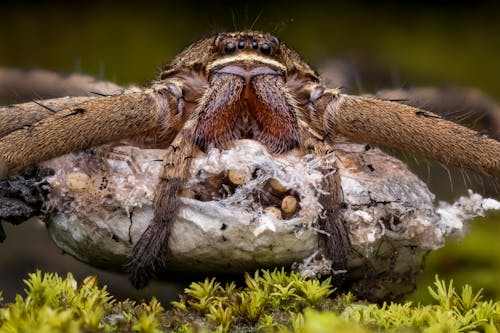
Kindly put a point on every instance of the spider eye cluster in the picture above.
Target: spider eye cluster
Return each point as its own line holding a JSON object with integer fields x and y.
{"x": 230, "y": 47}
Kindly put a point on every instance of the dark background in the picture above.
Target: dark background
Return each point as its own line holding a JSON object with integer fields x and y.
{"x": 410, "y": 44}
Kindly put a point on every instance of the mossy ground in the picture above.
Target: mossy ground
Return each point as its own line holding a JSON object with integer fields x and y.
{"x": 274, "y": 301}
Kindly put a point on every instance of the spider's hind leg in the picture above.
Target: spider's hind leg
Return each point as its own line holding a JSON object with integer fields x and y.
{"x": 149, "y": 252}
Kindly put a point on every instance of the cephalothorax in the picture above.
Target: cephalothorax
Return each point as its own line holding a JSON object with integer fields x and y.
{"x": 232, "y": 86}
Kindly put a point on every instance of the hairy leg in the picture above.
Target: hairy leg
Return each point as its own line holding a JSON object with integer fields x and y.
{"x": 150, "y": 250}
{"x": 18, "y": 116}
{"x": 335, "y": 240}
{"x": 149, "y": 113}
{"x": 465, "y": 106}
{"x": 399, "y": 126}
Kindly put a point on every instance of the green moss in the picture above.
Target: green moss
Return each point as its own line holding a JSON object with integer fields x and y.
{"x": 274, "y": 301}
{"x": 473, "y": 260}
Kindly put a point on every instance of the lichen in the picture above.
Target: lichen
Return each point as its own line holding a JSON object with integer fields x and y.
{"x": 270, "y": 301}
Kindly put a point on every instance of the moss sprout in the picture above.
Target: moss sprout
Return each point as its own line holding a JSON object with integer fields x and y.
{"x": 271, "y": 301}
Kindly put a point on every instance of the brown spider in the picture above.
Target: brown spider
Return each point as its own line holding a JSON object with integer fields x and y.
{"x": 227, "y": 87}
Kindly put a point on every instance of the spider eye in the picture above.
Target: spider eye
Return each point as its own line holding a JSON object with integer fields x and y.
{"x": 229, "y": 48}
{"x": 241, "y": 45}
{"x": 255, "y": 45}
{"x": 274, "y": 40}
{"x": 265, "y": 48}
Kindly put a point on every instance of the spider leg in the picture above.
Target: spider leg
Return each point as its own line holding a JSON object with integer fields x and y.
{"x": 465, "y": 106}
{"x": 17, "y": 116}
{"x": 395, "y": 125}
{"x": 149, "y": 251}
{"x": 149, "y": 113}
{"x": 335, "y": 241}
{"x": 114, "y": 153}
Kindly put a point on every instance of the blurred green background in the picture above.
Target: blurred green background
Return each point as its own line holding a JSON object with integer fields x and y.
{"x": 413, "y": 43}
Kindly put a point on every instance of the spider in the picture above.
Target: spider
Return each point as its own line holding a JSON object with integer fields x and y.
{"x": 230, "y": 86}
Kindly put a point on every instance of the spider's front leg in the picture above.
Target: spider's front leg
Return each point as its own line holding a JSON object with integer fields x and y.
{"x": 334, "y": 238}
{"x": 399, "y": 126}
{"x": 17, "y": 116}
{"x": 151, "y": 113}
{"x": 151, "y": 117}
{"x": 206, "y": 126}
{"x": 150, "y": 250}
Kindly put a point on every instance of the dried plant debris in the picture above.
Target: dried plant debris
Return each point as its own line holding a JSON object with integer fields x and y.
{"x": 244, "y": 208}
{"x": 23, "y": 196}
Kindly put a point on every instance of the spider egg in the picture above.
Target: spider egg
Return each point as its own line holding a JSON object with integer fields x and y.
{"x": 277, "y": 186}
{"x": 77, "y": 181}
{"x": 289, "y": 204}
{"x": 237, "y": 176}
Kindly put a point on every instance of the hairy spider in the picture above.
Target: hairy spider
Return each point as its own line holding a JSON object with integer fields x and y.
{"x": 227, "y": 87}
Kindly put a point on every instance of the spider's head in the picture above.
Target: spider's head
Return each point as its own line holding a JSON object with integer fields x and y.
{"x": 247, "y": 50}
{"x": 246, "y": 54}
{"x": 231, "y": 42}
{"x": 248, "y": 87}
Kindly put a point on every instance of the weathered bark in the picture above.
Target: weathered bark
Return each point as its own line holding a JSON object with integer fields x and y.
{"x": 23, "y": 196}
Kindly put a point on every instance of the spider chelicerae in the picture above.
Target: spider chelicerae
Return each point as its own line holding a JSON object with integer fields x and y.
{"x": 230, "y": 86}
